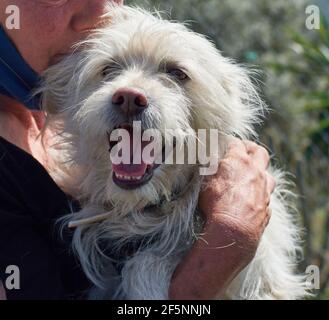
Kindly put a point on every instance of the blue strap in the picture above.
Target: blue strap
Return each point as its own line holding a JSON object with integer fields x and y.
{"x": 17, "y": 79}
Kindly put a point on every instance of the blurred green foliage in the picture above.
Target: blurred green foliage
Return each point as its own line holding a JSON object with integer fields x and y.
{"x": 294, "y": 64}
{"x": 315, "y": 65}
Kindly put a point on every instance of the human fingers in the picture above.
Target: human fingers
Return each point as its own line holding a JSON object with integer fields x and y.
{"x": 258, "y": 153}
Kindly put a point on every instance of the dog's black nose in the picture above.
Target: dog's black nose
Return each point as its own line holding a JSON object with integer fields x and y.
{"x": 130, "y": 101}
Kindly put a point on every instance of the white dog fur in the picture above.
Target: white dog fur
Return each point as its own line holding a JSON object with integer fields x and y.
{"x": 136, "y": 45}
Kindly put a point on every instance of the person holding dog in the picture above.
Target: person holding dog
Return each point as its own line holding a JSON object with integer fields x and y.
{"x": 31, "y": 202}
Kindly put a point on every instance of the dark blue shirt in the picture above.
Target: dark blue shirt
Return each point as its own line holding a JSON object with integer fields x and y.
{"x": 30, "y": 204}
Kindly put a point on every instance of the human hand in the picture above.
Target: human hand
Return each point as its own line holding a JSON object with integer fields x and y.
{"x": 237, "y": 197}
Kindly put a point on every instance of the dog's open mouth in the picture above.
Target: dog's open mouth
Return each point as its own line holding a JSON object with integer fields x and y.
{"x": 133, "y": 175}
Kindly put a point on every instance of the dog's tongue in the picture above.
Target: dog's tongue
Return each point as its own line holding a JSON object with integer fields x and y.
{"x": 131, "y": 169}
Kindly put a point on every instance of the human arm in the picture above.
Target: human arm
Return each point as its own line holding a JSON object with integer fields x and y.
{"x": 2, "y": 292}
{"x": 235, "y": 206}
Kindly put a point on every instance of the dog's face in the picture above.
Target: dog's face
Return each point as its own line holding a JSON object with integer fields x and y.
{"x": 142, "y": 68}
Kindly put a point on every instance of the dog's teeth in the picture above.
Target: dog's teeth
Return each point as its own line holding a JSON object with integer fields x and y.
{"x": 128, "y": 178}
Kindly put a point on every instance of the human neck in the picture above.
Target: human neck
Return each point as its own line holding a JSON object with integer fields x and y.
{"x": 22, "y": 127}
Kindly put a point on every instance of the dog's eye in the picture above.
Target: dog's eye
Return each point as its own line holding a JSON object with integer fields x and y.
{"x": 178, "y": 74}
{"x": 110, "y": 70}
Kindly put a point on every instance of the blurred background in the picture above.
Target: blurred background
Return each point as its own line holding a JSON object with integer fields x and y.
{"x": 294, "y": 65}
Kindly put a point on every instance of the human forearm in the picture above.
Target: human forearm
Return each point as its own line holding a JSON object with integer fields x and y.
{"x": 210, "y": 266}
{"x": 2, "y": 291}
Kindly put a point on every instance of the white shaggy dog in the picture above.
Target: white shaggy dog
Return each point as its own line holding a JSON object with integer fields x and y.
{"x": 173, "y": 78}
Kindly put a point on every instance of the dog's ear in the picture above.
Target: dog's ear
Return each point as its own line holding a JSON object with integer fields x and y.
{"x": 227, "y": 97}
{"x": 57, "y": 83}
{"x": 243, "y": 99}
